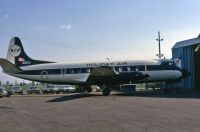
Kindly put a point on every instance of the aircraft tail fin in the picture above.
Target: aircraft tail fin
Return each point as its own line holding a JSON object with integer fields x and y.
{"x": 8, "y": 67}
{"x": 17, "y": 56}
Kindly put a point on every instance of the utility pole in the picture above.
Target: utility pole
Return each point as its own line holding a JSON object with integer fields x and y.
{"x": 159, "y": 41}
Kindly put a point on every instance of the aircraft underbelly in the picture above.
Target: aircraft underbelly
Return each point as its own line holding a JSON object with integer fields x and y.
{"x": 72, "y": 78}
{"x": 81, "y": 78}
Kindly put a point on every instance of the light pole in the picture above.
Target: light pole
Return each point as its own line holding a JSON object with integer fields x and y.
{"x": 159, "y": 40}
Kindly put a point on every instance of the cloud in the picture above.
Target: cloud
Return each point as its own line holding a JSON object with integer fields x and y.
{"x": 66, "y": 27}
{"x": 6, "y": 15}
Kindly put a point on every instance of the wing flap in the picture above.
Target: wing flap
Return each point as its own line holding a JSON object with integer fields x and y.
{"x": 8, "y": 67}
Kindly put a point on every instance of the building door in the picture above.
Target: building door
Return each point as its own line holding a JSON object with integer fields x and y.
{"x": 197, "y": 66}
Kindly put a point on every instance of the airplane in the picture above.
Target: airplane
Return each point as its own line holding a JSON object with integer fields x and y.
{"x": 104, "y": 74}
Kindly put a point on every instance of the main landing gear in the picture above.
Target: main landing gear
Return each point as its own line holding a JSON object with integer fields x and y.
{"x": 106, "y": 90}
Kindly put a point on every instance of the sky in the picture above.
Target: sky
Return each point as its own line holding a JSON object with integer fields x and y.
{"x": 92, "y": 30}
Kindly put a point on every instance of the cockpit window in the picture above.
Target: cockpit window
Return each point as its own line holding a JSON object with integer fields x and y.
{"x": 170, "y": 63}
{"x": 167, "y": 63}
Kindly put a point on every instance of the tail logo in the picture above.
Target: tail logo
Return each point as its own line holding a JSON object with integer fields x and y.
{"x": 15, "y": 50}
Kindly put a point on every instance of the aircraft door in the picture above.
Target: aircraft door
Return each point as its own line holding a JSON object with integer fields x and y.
{"x": 63, "y": 72}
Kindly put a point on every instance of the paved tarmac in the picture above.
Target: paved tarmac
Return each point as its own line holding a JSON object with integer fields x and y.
{"x": 141, "y": 112}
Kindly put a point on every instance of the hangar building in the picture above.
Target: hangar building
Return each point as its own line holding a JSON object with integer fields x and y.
{"x": 186, "y": 54}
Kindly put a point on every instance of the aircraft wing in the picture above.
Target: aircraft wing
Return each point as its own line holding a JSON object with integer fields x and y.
{"x": 8, "y": 67}
{"x": 102, "y": 74}
{"x": 108, "y": 75}
{"x": 103, "y": 71}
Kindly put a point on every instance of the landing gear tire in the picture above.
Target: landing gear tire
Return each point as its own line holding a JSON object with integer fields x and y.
{"x": 89, "y": 90}
{"x": 106, "y": 92}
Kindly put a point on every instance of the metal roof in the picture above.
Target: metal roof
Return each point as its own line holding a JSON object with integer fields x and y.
{"x": 186, "y": 43}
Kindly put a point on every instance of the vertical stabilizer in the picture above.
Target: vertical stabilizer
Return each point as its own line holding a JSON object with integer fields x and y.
{"x": 17, "y": 55}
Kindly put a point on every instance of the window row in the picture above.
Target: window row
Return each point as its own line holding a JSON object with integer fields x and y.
{"x": 88, "y": 70}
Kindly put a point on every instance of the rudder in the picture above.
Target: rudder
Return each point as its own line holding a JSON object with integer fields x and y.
{"x": 17, "y": 55}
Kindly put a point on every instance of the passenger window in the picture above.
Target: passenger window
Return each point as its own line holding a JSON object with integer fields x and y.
{"x": 117, "y": 69}
{"x": 120, "y": 69}
{"x": 132, "y": 68}
{"x": 83, "y": 70}
{"x": 137, "y": 69}
{"x": 141, "y": 68}
{"x": 79, "y": 70}
{"x": 71, "y": 71}
{"x": 125, "y": 69}
{"x": 87, "y": 70}
{"x": 67, "y": 71}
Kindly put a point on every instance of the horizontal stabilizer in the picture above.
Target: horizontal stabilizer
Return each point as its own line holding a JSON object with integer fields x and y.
{"x": 8, "y": 67}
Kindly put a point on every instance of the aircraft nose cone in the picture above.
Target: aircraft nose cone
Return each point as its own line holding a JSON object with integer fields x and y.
{"x": 185, "y": 73}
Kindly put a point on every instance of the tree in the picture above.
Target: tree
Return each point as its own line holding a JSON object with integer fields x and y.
{"x": 7, "y": 83}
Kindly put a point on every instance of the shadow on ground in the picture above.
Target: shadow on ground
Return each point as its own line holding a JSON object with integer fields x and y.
{"x": 150, "y": 94}
{"x": 159, "y": 94}
{"x": 72, "y": 97}
{"x": 35, "y": 96}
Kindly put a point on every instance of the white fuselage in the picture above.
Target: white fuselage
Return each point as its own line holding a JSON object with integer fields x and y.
{"x": 72, "y": 73}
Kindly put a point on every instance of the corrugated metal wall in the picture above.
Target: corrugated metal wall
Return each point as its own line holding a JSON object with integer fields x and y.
{"x": 186, "y": 54}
